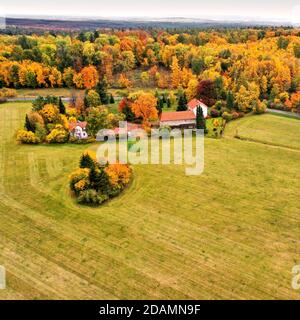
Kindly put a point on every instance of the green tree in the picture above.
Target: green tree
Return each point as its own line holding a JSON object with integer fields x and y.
{"x": 86, "y": 161}
{"x": 200, "y": 120}
{"x": 99, "y": 180}
{"x": 92, "y": 99}
{"x": 96, "y": 119}
{"x": 197, "y": 65}
{"x": 129, "y": 115}
{"x": 230, "y": 100}
{"x": 297, "y": 50}
{"x": 160, "y": 105}
{"x": 61, "y": 106}
{"x": 169, "y": 103}
{"x": 282, "y": 43}
{"x": 182, "y": 103}
{"x": 111, "y": 99}
{"x": 101, "y": 89}
{"x": 28, "y": 125}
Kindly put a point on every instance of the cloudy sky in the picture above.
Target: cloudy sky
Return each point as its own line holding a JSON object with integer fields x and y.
{"x": 262, "y": 9}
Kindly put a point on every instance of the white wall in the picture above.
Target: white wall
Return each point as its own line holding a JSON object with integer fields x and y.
{"x": 177, "y": 123}
{"x": 204, "y": 109}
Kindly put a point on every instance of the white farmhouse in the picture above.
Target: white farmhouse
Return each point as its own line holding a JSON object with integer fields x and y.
{"x": 194, "y": 104}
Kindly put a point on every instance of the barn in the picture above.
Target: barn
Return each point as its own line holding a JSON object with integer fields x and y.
{"x": 183, "y": 119}
{"x": 179, "y": 119}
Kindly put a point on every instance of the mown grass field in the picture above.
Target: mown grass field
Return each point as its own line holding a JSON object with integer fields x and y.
{"x": 232, "y": 232}
{"x": 270, "y": 129}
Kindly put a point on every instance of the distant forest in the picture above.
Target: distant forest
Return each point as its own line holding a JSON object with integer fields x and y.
{"x": 15, "y": 24}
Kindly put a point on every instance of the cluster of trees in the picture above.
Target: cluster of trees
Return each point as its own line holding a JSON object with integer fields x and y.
{"x": 93, "y": 183}
{"x": 49, "y": 120}
{"x": 140, "y": 106}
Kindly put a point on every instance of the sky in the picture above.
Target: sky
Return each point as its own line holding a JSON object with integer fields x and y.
{"x": 279, "y": 10}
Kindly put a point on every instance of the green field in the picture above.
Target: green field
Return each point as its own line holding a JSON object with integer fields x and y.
{"x": 270, "y": 129}
{"x": 232, "y": 232}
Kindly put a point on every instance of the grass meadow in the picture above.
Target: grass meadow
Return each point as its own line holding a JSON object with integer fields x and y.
{"x": 230, "y": 233}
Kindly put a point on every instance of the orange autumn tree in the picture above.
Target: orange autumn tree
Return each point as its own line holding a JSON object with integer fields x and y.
{"x": 145, "y": 107}
{"x": 90, "y": 77}
{"x": 124, "y": 82}
{"x": 119, "y": 174}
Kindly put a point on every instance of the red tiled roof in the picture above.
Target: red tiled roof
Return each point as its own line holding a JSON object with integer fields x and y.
{"x": 73, "y": 125}
{"x": 177, "y": 116}
{"x": 194, "y": 103}
{"x": 130, "y": 126}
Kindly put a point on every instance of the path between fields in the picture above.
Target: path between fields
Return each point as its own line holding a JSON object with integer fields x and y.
{"x": 269, "y": 144}
{"x": 284, "y": 113}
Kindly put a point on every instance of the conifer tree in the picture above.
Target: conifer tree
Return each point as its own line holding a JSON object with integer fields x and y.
{"x": 99, "y": 180}
{"x": 200, "y": 121}
{"x": 62, "y": 108}
{"x": 169, "y": 103}
{"x": 111, "y": 100}
{"x": 28, "y": 125}
{"x": 86, "y": 161}
{"x": 230, "y": 100}
{"x": 101, "y": 89}
{"x": 182, "y": 103}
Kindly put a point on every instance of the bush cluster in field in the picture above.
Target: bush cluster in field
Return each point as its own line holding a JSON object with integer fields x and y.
{"x": 94, "y": 183}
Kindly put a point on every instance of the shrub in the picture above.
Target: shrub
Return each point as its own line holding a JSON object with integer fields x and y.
{"x": 94, "y": 183}
{"x": 214, "y": 113}
{"x": 80, "y": 174}
{"x": 57, "y": 135}
{"x": 91, "y": 197}
{"x": 34, "y": 118}
{"x": 7, "y": 93}
{"x": 216, "y": 123}
{"x": 260, "y": 108}
{"x": 49, "y": 113}
{"x": 119, "y": 175}
{"x": 28, "y": 137}
{"x": 40, "y": 132}
{"x": 81, "y": 141}
{"x": 227, "y": 116}
{"x": 235, "y": 115}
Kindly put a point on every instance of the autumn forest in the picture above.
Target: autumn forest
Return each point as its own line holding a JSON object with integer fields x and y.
{"x": 248, "y": 67}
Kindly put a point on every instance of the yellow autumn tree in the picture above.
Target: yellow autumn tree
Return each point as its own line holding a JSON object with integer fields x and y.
{"x": 176, "y": 73}
{"x": 191, "y": 91}
{"x": 124, "y": 82}
{"x": 247, "y": 98}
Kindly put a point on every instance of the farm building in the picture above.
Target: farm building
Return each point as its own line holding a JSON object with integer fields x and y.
{"x": 183, "y": 119}
{"x": 179, "y": 119}
{"x": 194, "y": 104}
{"x": 78, "y": 129}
